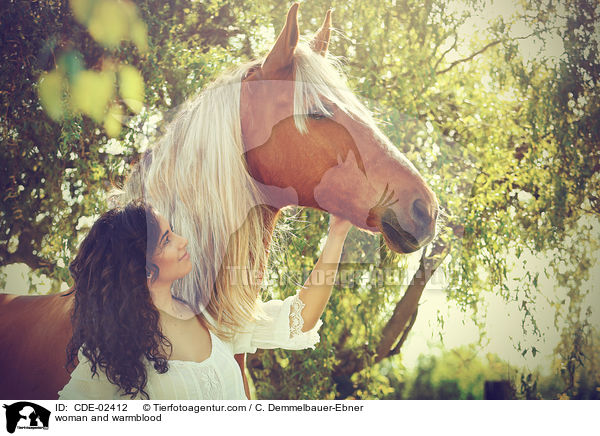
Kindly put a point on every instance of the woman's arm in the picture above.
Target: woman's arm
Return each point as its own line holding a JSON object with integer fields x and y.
{"x": 316, "y": 291}
{"x": 310, "y": 300}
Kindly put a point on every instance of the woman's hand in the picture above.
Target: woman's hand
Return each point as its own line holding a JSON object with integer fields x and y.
{"x": 338, "y": 226}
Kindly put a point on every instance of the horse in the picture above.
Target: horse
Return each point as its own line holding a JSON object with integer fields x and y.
{"x": 278, "y": 131}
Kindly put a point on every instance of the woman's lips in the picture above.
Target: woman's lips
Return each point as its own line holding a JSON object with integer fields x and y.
{"x": 185, "y": 256}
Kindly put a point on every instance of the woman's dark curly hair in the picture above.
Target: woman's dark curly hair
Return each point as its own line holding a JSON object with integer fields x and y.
{"x": 115, "y": 322}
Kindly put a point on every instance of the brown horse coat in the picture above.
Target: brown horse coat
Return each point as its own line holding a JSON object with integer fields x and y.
{"x": 31, "y": 371}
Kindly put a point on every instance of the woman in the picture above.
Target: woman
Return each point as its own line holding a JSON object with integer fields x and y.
{"x": 134, "y": 339}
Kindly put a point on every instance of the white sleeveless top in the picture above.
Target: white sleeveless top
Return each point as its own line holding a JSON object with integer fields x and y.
{"x": 218, "y": 377}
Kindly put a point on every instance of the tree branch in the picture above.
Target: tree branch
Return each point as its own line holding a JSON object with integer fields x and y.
{"x": 468, "y": 58}
{"x": 28, "y": 258}
{"x": 405, "y": 333}
{"x": 443, "y": 55}
{"x": 407, "y": 305}
{"x": 491, "y": 44}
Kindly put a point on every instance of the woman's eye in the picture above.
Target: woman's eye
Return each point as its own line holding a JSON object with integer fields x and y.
{"x": 316, "y": 115}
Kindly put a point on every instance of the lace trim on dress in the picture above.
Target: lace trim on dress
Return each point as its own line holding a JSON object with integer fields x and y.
{"x": 296, "y": 316}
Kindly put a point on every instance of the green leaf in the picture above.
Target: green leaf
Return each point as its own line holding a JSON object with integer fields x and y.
{"x": 139, "y": 35}
{"x": 91, "y": 93}
{"x": 109, "y": 24}
{"x": 82, "y": 9}
{"x": 50, "y": 89}
{"x": 72, "y": 63}
{"x": 131, "y": 87}
{"x": 113, "y": 120}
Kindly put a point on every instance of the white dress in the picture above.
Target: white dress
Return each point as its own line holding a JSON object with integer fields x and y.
{"x": 216, "y": 378}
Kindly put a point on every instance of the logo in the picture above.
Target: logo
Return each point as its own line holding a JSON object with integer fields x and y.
{"x": 26, "y": 415}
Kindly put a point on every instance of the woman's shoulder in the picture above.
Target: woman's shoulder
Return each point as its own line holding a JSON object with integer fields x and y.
{"x": 84, "y": 365}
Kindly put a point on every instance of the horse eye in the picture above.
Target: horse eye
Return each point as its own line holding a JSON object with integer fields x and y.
{"x": 316, "y": 115}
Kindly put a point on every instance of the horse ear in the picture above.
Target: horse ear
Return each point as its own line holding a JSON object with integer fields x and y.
{"x": 320, "y": 41}
{"x": 282, "y": 53}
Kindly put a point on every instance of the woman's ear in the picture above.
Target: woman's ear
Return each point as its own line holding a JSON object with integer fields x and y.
{"x": 151, "y": 273}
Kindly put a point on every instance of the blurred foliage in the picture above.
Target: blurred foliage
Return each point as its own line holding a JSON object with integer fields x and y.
{"x": 91, "y": 92}
{"x": 457, "y": 374}
{"x": 508, "y": 142}
{"x": 460, "y": 373}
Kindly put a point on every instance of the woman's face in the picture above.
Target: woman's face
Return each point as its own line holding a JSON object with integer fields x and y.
{"x": 171, "y": 257}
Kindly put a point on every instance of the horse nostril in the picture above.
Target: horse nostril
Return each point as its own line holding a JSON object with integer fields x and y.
{"x": 420, "y": 212}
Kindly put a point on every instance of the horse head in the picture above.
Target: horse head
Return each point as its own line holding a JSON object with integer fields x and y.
{"x": 306, "y": 133}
